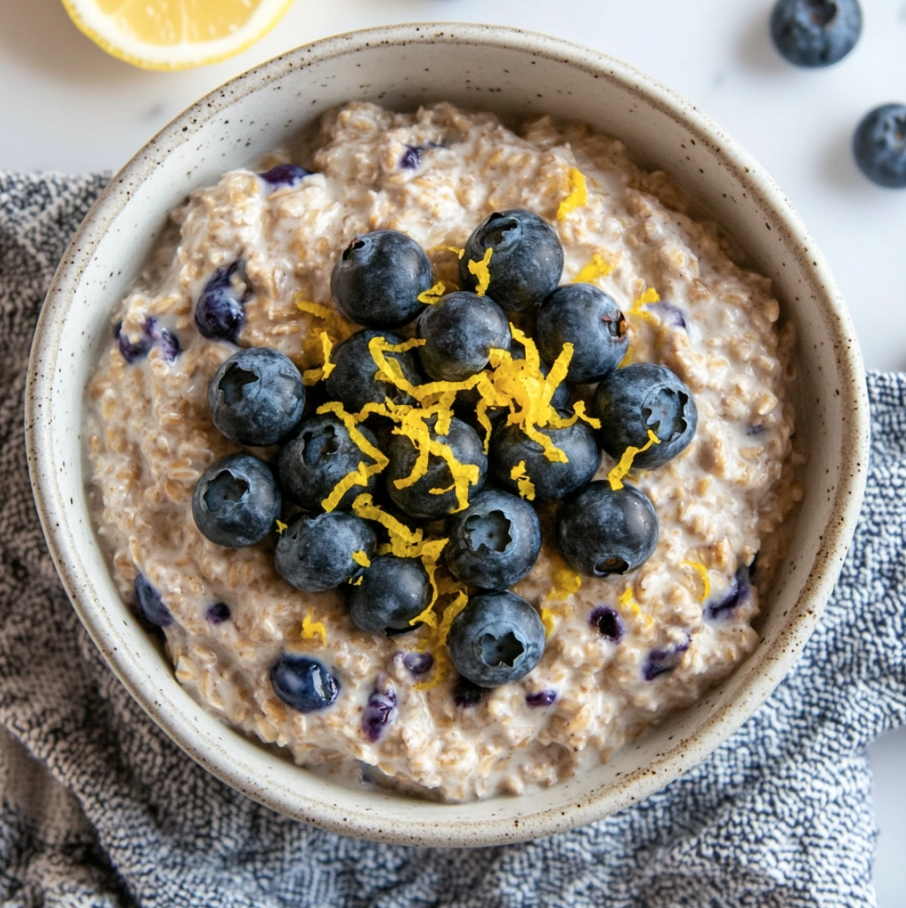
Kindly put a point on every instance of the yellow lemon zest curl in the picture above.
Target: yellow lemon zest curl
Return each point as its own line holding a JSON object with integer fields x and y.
{"x": 432, "y": 295}
{"x": 547, "y": 619}
{"x": 597, "y": 268}
{"x": 361, "y": 559}
{"x": 702, "y": 572}
{"x": 649, "y": 296}
{"x": 578, "y": 194}
{"x": 628, "y": 604}
{"x": 437, "y": 642}
{"x": 281, "y": 526}
{"x": 619, "y": 472}
{"x": 312, "y": 628}
{"x": 564, "y": 580}
{"x": 523, "y": 482}
{"x": 480, "y": 270}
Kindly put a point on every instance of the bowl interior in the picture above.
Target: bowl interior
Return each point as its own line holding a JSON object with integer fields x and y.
{"x": 516, "y": 75}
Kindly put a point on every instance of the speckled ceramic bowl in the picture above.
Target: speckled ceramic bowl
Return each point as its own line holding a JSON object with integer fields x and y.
{"x": 515, "y": 74}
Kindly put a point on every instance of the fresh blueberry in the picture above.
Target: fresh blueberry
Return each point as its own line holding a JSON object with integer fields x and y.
{"x": 608, "y": 623}
{"x": 411, "y": 158}
{"x": 815, "y": 32}
{"x": 150, "y": 602}
{"x": 739, "y": 593}
{"x": 639, "y": 397}
{"x": 236, "y": 501}
{"x": 668, "y": 314}
{"x": 377, "y": 280}
{"x": 510, "y": 446}
{"x": 602, "y": 531}
{"x": 218, "y": 613}
{"x": 393, "y": 591}
{"x": 879, "y": 145}
{"x": 587, "y": 318}
{"x": 526, "y": 262}
{"x": 320, "y": 454}
{"x": 417, "y": 500}
{"x": 467, "y": 694}
{"x": 494, "y": 542}
{"x": 169, "y": 344}
{"x": 135, "y": 347}
{"x": 460, "y": 331}
{"x": 496, "y": 639}
{"x": 315, "y": 553}
{"x": 418, "y": 663}
{"x": 660, "y": 661}
{"x": 220, "y": 310}
{"x": 256, "y": 397}
{"x": 379, "y": 712}
{"x": 303, "y": 683}
{"x": 284, "y": 175}
{"x": 541, "y": 698}
{"x": 353, "y": 381}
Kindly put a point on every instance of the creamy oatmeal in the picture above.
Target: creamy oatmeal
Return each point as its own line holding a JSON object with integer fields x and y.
{"x": 621, "y": 651}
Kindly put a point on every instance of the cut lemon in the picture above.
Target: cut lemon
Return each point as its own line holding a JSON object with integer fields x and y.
{"x": 175, "y": 34}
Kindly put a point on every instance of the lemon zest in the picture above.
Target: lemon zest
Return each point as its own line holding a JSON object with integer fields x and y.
{"x": 523, "y": 482}
{"x": 281, "y": 526}
{"x": 433, "y": 294}
{"x": 618, "y": 473}
{"x": 481, "y": 271}
{"x": 312, "y": 628}
{"x": 702, "y": 572}
{"x": 597, "y": 268}
{"x": 317, "y": 309}
{"x": 361, "y": 559}
{"x": 649, "y": 296}
{"x": 628, "y": 604}
{"x": 438, "y": 642}
{"x": 578, "y": 194}
{"x": 459, "y": 252}
{"x": 564, "y": 580}
{"x": 547, "y": 619}
{"x": 313, "y": 376}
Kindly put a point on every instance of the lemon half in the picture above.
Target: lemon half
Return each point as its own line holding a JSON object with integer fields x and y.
{"x": 175, "y": 34}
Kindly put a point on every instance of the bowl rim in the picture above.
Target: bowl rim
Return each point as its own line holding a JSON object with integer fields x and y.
{"x": 366, "y": 823}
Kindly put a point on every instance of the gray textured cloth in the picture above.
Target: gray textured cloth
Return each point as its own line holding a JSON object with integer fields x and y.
{"x": 99, "y": 808}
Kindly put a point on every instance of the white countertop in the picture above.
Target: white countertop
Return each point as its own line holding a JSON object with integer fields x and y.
{"x": 65, "y": 105}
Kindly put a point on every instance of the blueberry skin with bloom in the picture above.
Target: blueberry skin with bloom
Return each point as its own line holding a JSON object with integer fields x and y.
{"x": 393, "y": 591}
{"x": 879, "y": 145}
{"x": 150, "y": 602}
{"x": 460, "y": 331}
{"x": 639, "y": 397}
{"x": 496, "y": 639}
{"x": 284, "y": 175}
{"x": 601, "y": 531}
{"x": 319, "y": 454}
{"x": 220, "y": 309}
{"x": 314, "y": 554}
{"x": 552, "y": 480}
{"x": 526, "y": 263}
{"x": 236, "y": 501}
{"x": 815, "y": 33}
{"x": 587, "y": 318}
{"x": 353, "y": 382}
{"x": 303, "y": 683}
{"x": 494, "y": 543}
{"x": 377, "y": 280}
{"x": 417, "y": 500}
{"x": 256, "y": 397}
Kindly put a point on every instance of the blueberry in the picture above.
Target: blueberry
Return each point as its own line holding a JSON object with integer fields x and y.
{"x": 526, "y": 263}
{"x": 466, "y": 694}
{"x": 236, "y": 501}
{"x": 602, "y": 531}
{"x": 379, "y": 712}
{"x": 668, "y": 314}
{"x": 256, "y": 397}
{"x": 460, "y": 331}
{"x": 411, "y": 158}
{"x": 541, "y": 698}
{"x": 169, "y": 344}
{"x": 320, "y": 453}
{"x": 218, "y": 613}
{"x": 378, "y": 278}
{"x": 639, "y": 397}
{"x": 150, "y": 602}
{"x": 417, "y": 500}
{"x": 496, "y": 639}
{"x": 660, "y": 661}
{"x": 418, "y": 663}
{"x": 608, "y": 623}
{"x": 510, "y": 446}
{"x": 587, "y": 318}
{"x": 353, "y": 382}
{"x": 879, "y": 145}
{"x": 739, "y": 593}
{"x": 815, "y": 32}
{"x": 315, "y": 553}
{"x": 303, "y": 683}
{"x": 134, "y": 347}
{"x": 220, "y": 310}
{"x": 495, "y": 542}
{"x": 284, "y": 175}
{"x": 393, "y": 591}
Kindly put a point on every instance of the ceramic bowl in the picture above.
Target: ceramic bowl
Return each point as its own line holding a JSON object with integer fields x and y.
{"x": 517, "y": 75}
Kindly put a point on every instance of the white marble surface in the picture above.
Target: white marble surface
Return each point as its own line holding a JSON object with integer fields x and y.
{"x": 65, "y": 105}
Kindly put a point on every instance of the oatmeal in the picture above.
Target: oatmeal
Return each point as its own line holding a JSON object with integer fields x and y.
{"x": 248, "y": 264}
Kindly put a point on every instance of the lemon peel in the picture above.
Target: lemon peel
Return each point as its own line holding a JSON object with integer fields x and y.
{"x": 547, "y": 619}
{"x": 578, "y": 194}
{"x": 281, "y": 526}
{"x": 480, "y": 270}
{"x": 313, "y": 376}
{"x": 361, "y": 559}
{"x": 523, "y": 482}
{"x": 618, "y": 473}
{"x": 702, "y": 572}
{"x": 459, "y": 252}
{"x": 649, "y": 296}
{"x": 564, "y": 580}
{"x": 312, "y": 628}
{"x": 432, "y": 295}
{"x": 628, "y": 604}
{"x": 437, "y": 642}
{"x": 597, "y": 268}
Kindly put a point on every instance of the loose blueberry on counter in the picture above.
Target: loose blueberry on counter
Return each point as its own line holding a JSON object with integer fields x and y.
{"x": 314, "y": 554}
{"x": 608, "y": 623}
{"x": 879, "y": 145}
{"x": 379, "y": 712}
{"x": 602, "y": 531}
{"x": 661, "y": 661}
{"x": 496, "y": 639}
{"x": 352, "y": 381}
{"x": 417, "y": 500}
{"x": 393, "y": 591}
{"x": 150, "y": 602}
{"x": 134, "y": 348}
{"x": 284, "y": 175}
{"x": 460, "y": 331}
{"x": 510, "y": 446}
{"x": 526, "y": 263}
{"x": 411, "y": 158}
{"x": 587, "y": 318}
{"x": 236, "y": 501}
{"x": 494, "y": 543}
{"x": 303, "y": 683}
{"x": 739, "y": 593}
{"x": 256, "y": 397}
{"x": 815, "y": 32}
{"x": 639, "y": 397}
{"x": 541, "y": 698}
{"x": 220, "y": 310}
{"x": 418, "y": 663}
{"x": 319, "y": 454}
{"x": 466, "y": 694}
{"x": 377, "y": 280}
{"x": 218, "y": 613}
